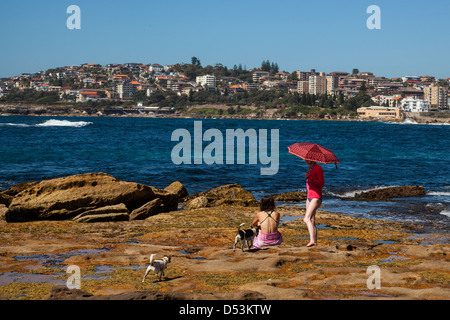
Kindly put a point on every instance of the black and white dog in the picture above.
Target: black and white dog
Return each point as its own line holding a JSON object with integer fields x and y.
{"x": 244, "y": 236}
{"x": 158, "y": 266}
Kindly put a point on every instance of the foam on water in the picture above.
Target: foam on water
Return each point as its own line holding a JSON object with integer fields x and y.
{"x": 352, "y": 193}
{"x": 51, "y": 123}
{"x": 64, "y": 123}
{"x": 446, "y": 213}
{"x": 22, "y": 125}
{"x": 438, "y": 193}
{"x": 408, "y": 121}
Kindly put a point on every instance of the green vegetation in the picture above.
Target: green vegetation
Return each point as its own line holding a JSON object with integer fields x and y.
{"x": 361, "y": 99}
{"x": 289, "y": 104}
{"x": 220, "y": 71}
{"x": 229, "y": 281}
{"x": 31, "y": 96}
{"x": 220, "y": 112}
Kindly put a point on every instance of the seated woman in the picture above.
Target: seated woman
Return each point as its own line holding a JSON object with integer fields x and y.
{"x": 267, "y": 220}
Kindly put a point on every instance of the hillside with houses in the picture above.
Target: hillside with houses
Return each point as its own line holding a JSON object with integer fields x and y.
{"x": 150, "y": 89}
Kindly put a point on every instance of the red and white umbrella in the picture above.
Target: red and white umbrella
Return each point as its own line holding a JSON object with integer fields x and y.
{"x": 313, "y": 152}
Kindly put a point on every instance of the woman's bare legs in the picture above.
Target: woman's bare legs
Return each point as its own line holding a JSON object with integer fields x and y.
{"x": 310, "y": 219}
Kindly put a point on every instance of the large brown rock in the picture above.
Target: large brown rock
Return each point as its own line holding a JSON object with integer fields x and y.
{"x": 65, "y": 198}
{"x": 196, "y": 203}
{"x": 391, "y": 192}
{"x": 3, "y": 210}
{"x": 147, "y": 210}
{"x": 178, "y": 189}
{"x": 293, "y": 196}
{"x": 118, "y": 212}
{"x": 8, "y": 195}
{"x": 64, "y": 293}
{"x": 230, "y": 195}
{"x": 169, "y": 200}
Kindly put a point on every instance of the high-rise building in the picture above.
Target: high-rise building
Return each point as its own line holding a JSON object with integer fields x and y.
{"x": 332, "y": 84}
{"x": 304, "y": 75}
{"x": 303, "y": 86}
{"x": 437, "y": 97}
{"x": 318, "y": 83}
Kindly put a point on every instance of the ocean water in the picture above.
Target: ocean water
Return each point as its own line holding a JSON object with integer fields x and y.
{"x": 372, "y": 155}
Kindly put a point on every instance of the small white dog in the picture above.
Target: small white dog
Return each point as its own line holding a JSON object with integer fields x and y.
{"x": 158, "y": 266}
{"x": 245, "y": 236}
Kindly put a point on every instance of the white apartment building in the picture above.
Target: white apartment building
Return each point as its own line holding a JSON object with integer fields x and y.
{"x": 207, "y": 80}
{"x": 318, "y": 84}
{"x": 391, "y": 100}
{"x": 406, "y": 78}
{"x": 415, "y": 105}
{"x": 156, "y": 68}
{"x": 332, "y": 84}
{"x": 257, "y": 75}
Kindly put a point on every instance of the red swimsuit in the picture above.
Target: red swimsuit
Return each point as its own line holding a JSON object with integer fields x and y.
{"x": 315, "y": 182}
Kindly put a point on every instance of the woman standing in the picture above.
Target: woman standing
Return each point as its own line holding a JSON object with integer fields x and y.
{"x": 314, "y": 184}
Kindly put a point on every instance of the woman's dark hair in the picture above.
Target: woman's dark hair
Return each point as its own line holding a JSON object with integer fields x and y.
{"x": 267, "y": 203}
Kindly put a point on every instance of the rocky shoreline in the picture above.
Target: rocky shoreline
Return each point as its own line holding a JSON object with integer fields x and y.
{"x": 73, "y": 111}
{"x": 43, "y": 230}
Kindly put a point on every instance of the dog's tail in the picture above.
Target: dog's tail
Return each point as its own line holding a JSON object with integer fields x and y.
{"x": 242, "y": 224}
{"x": 151, "y": 259}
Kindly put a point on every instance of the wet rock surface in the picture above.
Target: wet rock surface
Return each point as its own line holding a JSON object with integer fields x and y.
{"x": 133, "y": 221}
{"x": 91, "y": 197}
{"x": 292, "y": 196}
{"x": 391, "y": 193}
{"x": 113, "y": 256}
{"x": 66, "y": 198}
{"x": 226, "y": 195}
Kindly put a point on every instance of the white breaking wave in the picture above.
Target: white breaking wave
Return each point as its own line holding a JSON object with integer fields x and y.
{"x": 352, "y": 194}
{"x": 446, "y": 213}
{"x": 410, "y": 121}
{"x": 438, "y": 193}
{"x": 51, "y": 123}
{"x": 23, "y": 125}
{"x": 64, "y": 123}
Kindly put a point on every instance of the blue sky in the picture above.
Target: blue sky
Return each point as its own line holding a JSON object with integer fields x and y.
{"x": 327, "y": 35}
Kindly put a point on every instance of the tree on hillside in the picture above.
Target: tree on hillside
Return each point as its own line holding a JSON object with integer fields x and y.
{"x": 269, "y": 67}
{"x": 265, "y": 66}
{"x": 195, "y": 61}
{"x": 293, "y": 76}
{"x": 31, "y": 96}
{"x": 274, "y": 68}
{"x": 361, "y": 99}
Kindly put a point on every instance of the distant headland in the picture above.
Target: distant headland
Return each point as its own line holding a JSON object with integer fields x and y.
{"x": 193, "y": 90}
